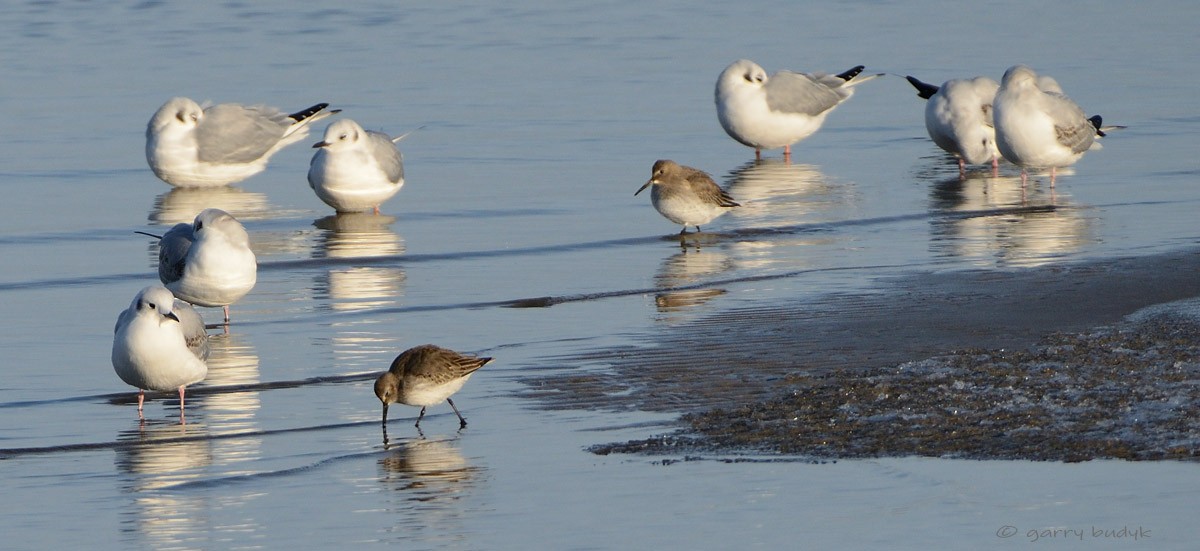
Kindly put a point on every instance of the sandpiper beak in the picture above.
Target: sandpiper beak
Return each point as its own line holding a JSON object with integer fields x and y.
{"x": 644, "y": 186}
{"x": 385, "y": 413}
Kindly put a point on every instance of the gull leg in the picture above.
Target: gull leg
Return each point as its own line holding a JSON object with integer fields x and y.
{"x": 226, "y": 309}
{"x": 141, "y": 398}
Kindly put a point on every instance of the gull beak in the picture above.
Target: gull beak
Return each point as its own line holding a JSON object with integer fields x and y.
{"x": 320, "y": 144}
{"x": 645, "y": 185}
{"x": 171, "y": 315}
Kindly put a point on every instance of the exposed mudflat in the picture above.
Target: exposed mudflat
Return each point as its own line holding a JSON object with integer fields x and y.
{"x": 1043, "y": 364}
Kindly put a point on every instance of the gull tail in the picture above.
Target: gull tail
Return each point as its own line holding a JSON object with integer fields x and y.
{"x": 1102, "y": 130}
{"x": 406, "y": 134}
{"x": 853, "y": 76}
{"x": 924, "y": 89}
{"x": 299, "y": 129}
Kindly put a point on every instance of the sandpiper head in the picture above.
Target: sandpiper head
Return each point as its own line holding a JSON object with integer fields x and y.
{"x": 387, "y": 389}
{"x": 662, "y": 169}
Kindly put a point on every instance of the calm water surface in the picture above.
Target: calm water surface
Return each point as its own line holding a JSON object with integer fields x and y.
{"x": 540, "y": 123}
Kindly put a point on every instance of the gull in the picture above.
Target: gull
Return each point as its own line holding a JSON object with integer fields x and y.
{"x": 777, "y": 111}
{"x": 424, "y": 376}
{"x": 191, "y": 146}
{"x": 159, "y": 343}
{"x": 1036, "y": 128}
{"x": 355, "y": 169}
{"x": 685, "y": 195}
{"x": 208, "y": 262}
{"x": 958, "y": 117}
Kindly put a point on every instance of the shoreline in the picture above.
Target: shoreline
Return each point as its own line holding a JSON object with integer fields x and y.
{"x": 1045, "y": 363}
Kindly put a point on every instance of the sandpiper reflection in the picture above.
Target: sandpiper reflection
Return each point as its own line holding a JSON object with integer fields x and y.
{"x": 1012, "y": 225}
{"x": 428, "y": 477}
{"x": 687, "y": 268}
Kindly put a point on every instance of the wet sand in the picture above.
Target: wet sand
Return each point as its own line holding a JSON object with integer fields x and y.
{"x": 1043, "y": 363}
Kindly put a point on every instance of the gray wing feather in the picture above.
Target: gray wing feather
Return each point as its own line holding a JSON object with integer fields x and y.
{"x": 231, "y": 133}
{"x": 192, "y": 325}
{"x": 172, "y": 252}
{"x": 389, "y": 157}
{"x": 791, "y": 92}
{"x": 1071, "y": 126}
{"x": 704, "y": 187}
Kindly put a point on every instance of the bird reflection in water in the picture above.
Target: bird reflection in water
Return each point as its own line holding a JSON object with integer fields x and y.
{"x": 995, "y": 221}
{"x": 429, "y": 478}
{"x": 359, "y": 235}
{"x": 157, "y": 455}
{"x": 183, "y": 204}
{"x": 685, "y": 269}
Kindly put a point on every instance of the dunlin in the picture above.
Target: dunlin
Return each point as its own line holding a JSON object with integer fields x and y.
{"x": 424, "y": 376}
{"x": 685, "y": 195}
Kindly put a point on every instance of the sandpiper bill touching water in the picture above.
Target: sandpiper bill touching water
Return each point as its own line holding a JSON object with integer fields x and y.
{"x": 424, "y": 376}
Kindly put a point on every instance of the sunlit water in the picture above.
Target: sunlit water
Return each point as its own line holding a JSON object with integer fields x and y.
{"x": 540, "y": 123}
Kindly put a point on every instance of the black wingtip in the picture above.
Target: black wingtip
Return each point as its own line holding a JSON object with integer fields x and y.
{"x": 924, "y": 89}
{"x": 1097, "y": 122}
{"x": 851, "y": 73}
{"x": 301, "y": 115}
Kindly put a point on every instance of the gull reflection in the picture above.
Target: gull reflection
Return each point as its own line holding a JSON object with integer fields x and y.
{"x": 1004, "y": 223}
{"x": 183, "y": 204}
{"x": 428, "y": 478}
{"x": 774, "y": 193}
{"x": 785, "y": 197}
{"x": 687, "y": 268}
{"x": 155, "y": 456}
{"x": 359, "y": 235}
{"x": 232, "y": 361}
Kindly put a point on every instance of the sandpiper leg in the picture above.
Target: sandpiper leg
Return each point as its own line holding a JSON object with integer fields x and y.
{"x": 419, "y": 416}
{"x": 462, "y": 423}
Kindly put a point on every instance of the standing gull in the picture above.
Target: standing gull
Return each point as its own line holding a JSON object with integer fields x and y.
{"x": 958, "y": 117}
{"x": 685, "y": 195}
{"x": 1036, "y": 128}
{"x": 208, "y": 262}
{"x": 190, "y": 146}
{"x": 159, "y": 343}
{"x": 777, "y": 111}
{"x": 424, "y": 376}
{"x": 355, "y": 169}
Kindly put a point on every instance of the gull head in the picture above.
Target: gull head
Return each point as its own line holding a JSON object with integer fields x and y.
{"x": 341, "y": 133}
{"x": 156, "y": 300}
{"x": 741, "y": 73}
{"x": 176, "y": 114}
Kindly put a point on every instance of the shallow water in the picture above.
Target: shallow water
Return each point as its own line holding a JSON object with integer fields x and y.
{"x": 540, "y": 123}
